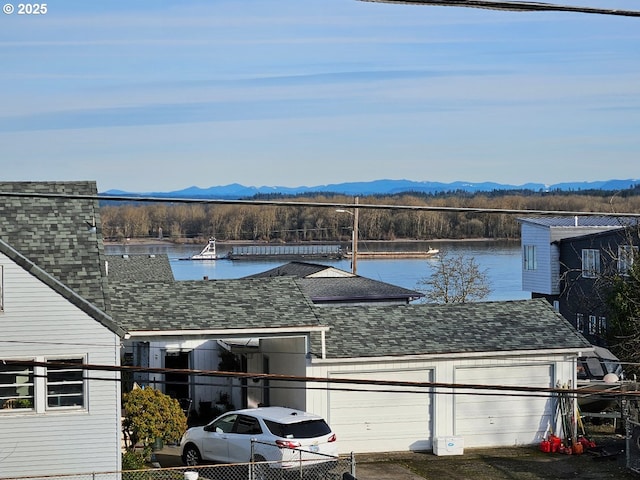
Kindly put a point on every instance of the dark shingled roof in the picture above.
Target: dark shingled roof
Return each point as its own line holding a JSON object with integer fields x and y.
{"x": 148, "y": 268}
{"x": 339, "y": 289}
{"x": 376, "y": 331}
{"x": 294, "y": 269}
{"x": 211, "y": 304}
{"x": 52, "y": 238}
{"x": 353, "y": 289}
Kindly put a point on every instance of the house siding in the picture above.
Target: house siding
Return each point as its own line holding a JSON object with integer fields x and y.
{"x": 38, "y": 324}
{"x": 442, "y": 407}
{"x": 544, "y": 278}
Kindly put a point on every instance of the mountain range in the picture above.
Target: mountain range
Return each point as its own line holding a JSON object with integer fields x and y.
{"x": 376, "y": 187}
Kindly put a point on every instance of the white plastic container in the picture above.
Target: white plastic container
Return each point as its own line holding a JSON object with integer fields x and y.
{"x": 448, "y": 446}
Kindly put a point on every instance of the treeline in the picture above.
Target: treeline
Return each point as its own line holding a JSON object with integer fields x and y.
{"x": 196, "y": 222}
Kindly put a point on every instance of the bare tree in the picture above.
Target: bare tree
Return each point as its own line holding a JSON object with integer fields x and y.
{"x": 457, "y": 279}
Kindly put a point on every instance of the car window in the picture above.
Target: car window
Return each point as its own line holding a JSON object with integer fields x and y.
{"x": 247, "y": 425}
{"x": 225, "y": 424}
{"x": 308, "y": 429}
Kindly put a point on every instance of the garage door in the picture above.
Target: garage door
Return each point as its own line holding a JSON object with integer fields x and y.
{"x": 378, "y": 420}
{"x": 506, "y": 418}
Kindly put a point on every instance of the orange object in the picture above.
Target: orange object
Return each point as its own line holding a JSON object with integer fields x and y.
{"x": 578, "y": 448}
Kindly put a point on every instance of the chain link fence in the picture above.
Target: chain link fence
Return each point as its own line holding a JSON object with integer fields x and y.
{"x": 307, "y": 465}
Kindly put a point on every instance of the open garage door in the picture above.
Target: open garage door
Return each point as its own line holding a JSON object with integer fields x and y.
{"x": 378, "y": 420}
{"x": 504, "y": 418}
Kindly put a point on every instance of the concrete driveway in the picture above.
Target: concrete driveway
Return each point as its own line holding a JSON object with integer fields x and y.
{"x": 366, "y": 469}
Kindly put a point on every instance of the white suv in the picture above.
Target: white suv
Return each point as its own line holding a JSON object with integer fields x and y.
{"x": 284, "y": 438}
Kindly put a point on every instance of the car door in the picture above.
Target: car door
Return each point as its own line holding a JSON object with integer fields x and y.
{"x": 215, "y": 443}
{"x": 246, "y": 428}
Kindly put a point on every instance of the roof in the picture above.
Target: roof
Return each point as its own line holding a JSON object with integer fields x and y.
{"x": 55, "y": 239}
{"x": 353, "y": 289}
{"x": 211, "y": 305}
{"x": 581, "y": 221}
{"x": 429, "y": 329}
{"x": 297, "y": 269}
{"x": 122, "y": 268}
{"x": 327, "y": 284}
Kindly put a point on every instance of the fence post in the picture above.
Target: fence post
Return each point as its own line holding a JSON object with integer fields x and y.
{"x": 252, "y": 460}
{"x": 353, "y": 465}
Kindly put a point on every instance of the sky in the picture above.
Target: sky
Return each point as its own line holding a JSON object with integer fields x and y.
{"x": 149, "y": 96}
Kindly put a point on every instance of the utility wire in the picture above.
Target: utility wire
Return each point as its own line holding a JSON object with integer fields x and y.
{"x": 514, "y": 6}
{"x": 473, "y": 389}
{"x": 286, "y": 203}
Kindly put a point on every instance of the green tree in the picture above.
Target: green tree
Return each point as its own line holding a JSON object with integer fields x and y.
{"x": 149, "y": 414}
{"x": 456, "y": 279}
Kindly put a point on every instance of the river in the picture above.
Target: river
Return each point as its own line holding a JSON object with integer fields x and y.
{"x": 501, "y": 260}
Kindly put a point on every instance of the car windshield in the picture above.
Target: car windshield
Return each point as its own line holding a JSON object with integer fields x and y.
{"x": 308, "y": 429}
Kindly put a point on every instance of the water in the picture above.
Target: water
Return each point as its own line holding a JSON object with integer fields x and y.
{"x": 501, "y": 260}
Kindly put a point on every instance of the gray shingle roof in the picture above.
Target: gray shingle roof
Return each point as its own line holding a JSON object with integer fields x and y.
{"x": 294, "y": 269}
{"x": 54, "y": 234}
{"x": 149, "y": 268}
{"x": 214, "y": 304}
{"x": 375, "y": 331}
{"x": 353, "y": 289}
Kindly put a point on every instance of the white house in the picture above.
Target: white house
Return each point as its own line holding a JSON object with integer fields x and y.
{"x": 55, "y": 418}
{"x": 273, "y": 328}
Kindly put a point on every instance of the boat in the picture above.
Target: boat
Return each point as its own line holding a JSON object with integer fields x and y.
{"x": 271, "y": 251}
{"x": 600, "y": 376}
{"x": 431, "y": 252}
{"x": 207, "y": 253}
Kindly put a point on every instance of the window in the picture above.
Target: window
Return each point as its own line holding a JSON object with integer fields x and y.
{"x": 593, "y": 324}
{"x": 590, "y": 263}
{"x": 246, "y": 425}
{"x": 625, "y": 258}
{"x": 65, "y": 384}
{"x": 530, "y": 262}
{"x": 16, "y": 387}
{"x": 580, "y": 322}
{"x": 602, "y": 325}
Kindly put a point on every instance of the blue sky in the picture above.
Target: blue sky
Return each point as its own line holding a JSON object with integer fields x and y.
{"x": 157, "y": 96}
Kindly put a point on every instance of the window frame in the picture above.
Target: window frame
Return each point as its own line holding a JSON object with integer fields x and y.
{"x": 60, "y": 384}
{"x": 530, "y": 258}
{"x": 590, "y": 262}
{"x": 626, "y": 255}
{"x": 1, "y": 288}
{"x": 18, "y": 403}
{"x": 593, "y": 324}
{"x": 580, "y": 322}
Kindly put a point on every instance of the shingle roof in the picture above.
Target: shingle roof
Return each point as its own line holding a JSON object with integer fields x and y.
{"x": 214, "y": 304}
{"x": 54, "y": 234}
{"x": 376, "y": 331}
{"x": 353, "y": 289}
{"x": 149, "y": 268}
{"x": 294, "y": 269}
{"x": 346, "y": 289}
{"x": 581, "y": 221}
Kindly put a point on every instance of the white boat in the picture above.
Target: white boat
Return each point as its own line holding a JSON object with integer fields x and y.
{"x": 207, "y": 253}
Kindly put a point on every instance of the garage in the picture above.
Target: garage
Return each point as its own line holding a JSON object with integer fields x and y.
{"x": 507, "y": 418}
{"x": 375, "y": 419}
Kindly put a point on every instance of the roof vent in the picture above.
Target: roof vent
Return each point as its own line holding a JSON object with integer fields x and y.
{"x": 125, "y": 255}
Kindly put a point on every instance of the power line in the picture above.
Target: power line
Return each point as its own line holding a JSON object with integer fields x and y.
{"x": 514, "y": 6}
{"x": 419, "y": 387}
{"x": 286, "y": 203}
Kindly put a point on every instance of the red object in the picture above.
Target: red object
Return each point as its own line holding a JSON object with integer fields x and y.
{"x": 556, "y": 443}
{"x": 545, "y": 446}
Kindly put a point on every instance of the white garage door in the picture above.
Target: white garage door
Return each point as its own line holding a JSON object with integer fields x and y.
{"x": 379, "y": 420}
{"x": 506, "y": 418}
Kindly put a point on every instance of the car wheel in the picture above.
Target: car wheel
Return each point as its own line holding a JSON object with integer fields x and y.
{"x": 191, "y": 456}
